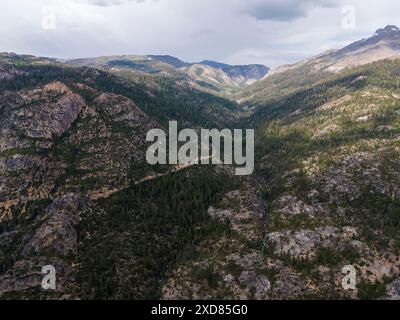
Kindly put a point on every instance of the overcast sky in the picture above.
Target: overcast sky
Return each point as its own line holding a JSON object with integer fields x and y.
{"x": 271, "y": 32}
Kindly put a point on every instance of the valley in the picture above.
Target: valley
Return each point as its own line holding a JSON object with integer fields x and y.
{"x": 77, "y": 192}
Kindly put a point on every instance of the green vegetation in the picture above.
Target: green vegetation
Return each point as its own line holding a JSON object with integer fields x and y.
{"x": 328, "y": 141}
{"x": 144, "y": 230}
{"x": 207, "y": 274}
{"x": 371, "y": 291}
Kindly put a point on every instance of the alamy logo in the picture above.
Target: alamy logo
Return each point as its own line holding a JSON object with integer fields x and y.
{"x": 349, "y": 280}
{"x": 206, "y": 149}
{"x": 49, "y": 18}
{"x": 49, "y": 280}
{"x": 349, "y": 21}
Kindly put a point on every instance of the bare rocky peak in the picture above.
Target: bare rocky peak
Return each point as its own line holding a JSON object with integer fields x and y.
{"x": 388, "y": 31}
{"x": 385, "y": 39}
{"x": 383, "y": 44}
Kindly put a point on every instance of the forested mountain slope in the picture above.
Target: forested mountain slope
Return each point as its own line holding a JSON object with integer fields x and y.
{"x": 327, "y": 196}
{"x": 72, "y": 136}
{"x": 76, "y": 192}
{"x": 331, "y": 157}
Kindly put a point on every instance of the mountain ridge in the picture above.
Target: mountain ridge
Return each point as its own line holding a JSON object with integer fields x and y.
{"x": 207, "y": 74}
{"x": 383, "y": 44}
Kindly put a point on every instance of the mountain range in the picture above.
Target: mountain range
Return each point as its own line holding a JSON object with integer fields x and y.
{"x": 211, "y": 75}
{"x": 77, "y": 193}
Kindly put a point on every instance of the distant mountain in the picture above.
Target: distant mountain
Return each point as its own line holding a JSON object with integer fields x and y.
{"x": 383, "y": 44}
{"x": 175, "y": 62}
{"x": 228, "y": 75}
{"x": 139, "y": 63}
{"x": 249, "y": 72}
{"x": 206, "y": 75}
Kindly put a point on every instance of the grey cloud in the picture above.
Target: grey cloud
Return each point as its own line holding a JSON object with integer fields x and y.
{"x": 234, "y": 31}
{"x": 285, "y": 10}
{"x": 108, "y": 3}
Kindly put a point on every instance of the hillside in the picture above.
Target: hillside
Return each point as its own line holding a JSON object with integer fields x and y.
{"x": 328, "y": 167}
{"x": 72, "y": 136}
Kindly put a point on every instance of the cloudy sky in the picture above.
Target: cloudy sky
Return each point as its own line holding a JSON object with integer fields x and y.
{"x": 272, "y": 32}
